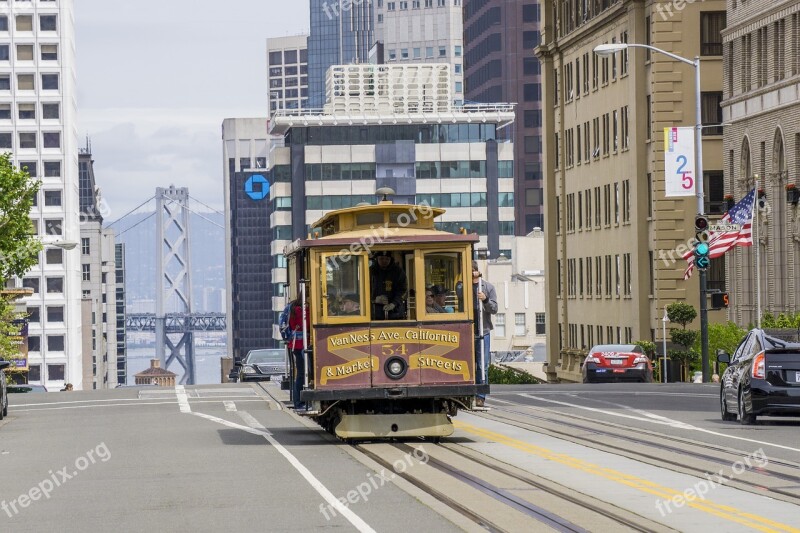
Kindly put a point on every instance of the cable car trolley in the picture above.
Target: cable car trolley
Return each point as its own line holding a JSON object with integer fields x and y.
{"x": 390, "y": 349}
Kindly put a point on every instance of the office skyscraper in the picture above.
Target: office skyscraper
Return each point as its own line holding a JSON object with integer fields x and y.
{"x": 499, "y": 66}
{"x": 37, "y": 125}
{"x": 342, "y": 32}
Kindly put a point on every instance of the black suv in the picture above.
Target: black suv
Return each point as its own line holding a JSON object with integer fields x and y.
{"x": 762, "y": 378}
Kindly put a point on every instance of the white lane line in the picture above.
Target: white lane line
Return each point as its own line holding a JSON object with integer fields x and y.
{"x": 657, "y": 419}
{"x": 172, "y": 402}
{"x": 323, "y": 491}
{"x": 229, "y": 406}
{"x": 251, "y": 421}
{"x": 183, "y": 399}
{"x": 79, "y": 401}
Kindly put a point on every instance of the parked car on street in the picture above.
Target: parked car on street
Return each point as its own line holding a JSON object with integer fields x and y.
{"x": 25, "y": 388}
{"x": 762, "y": 379}
{"x": 3, "y": 389}
{"x": 263, "y": 364}
{"x": 617, "y": 362}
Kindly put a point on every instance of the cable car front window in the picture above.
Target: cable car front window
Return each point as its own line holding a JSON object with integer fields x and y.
{"x": 344, "y": 295}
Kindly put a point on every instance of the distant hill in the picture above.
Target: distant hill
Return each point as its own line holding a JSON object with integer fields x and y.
{"x": 207, "y": 242}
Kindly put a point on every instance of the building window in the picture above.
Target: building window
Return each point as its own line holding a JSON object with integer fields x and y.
{"x": 500, "y": 325}
{"x": 519, "y": 324}
{"x": 55, "y": 313}
{"x": 55, "y": 285}
{"x": 54, "y": 256}
{"x": 540, "y": 323}
{"x": 49, "y": 52}
{"x": 712, "y": 112}
{"x": 50, "y": 82}
{"x": 47, "y": 23}
{"x": 26, "y": 111}
{"x": 56, "y": 372}
{"x": 711, "y": 25}
{"x": 52, "y": 198}
{"x": 86, "y": 271}
{"x": 53, "y": 226}
{"x": 52, "y": 169}
{"x": 85, "y": 246}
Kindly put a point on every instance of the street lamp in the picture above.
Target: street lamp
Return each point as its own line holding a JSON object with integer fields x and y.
{"x": 610, "y": 49}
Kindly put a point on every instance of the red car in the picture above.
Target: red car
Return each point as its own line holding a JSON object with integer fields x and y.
{"x": 617, "y": 362}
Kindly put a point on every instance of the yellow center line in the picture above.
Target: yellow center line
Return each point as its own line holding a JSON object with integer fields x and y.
{"x": 757, "y": 522}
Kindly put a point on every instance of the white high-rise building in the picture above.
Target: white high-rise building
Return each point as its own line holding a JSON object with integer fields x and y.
{"x": 38, "y": 126}
{"x": 287, "y": 72}
{"x": 423, "y": 31}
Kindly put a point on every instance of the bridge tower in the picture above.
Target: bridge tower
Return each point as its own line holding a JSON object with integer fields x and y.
{"x": 174, "y": 280}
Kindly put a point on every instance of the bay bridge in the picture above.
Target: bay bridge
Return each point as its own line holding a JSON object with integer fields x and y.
{"x": 174, "y": 321}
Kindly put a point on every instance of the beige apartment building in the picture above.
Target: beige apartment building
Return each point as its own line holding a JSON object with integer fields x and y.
{"x": 611, "y": 234}
{"x": 762, "y": 149}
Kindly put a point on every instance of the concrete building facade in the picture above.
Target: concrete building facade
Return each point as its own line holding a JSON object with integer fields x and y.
{"x": 287, "y": 72}
{"x": 391, "y": 126}
{"x": 98, "y": 282}
{"x": 520, "y": 322}
{"x": 613, "y": 238}
{"x": 38, "y": 126}
{"x": 761, "y": 47}
{"x": 423, "y": 31}
{"x": 500, "y": 66}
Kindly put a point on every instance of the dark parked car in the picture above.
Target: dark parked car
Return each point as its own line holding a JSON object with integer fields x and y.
{"x": 762, "y": 378}
{"x": 262, "y": 365}
{"x": 25, "y": 388}
{"x": 3, "y": 390}
{"x": 617, "y": 362}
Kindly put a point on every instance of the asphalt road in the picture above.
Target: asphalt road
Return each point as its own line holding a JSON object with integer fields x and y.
{"x": 678, "y": 409}
{"x": 223, "y": 458}
{"x": 230, "y": 457}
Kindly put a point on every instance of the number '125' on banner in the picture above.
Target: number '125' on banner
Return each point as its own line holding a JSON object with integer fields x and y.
{"x": 679, "y": 158}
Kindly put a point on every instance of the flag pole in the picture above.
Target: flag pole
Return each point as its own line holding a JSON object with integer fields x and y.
{"x": 757, "y": 244}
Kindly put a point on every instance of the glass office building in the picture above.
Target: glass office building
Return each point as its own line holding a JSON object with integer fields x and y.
{"x": 341, "y": 33}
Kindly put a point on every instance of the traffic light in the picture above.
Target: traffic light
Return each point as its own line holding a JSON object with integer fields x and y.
{"x": 701, "y": 248}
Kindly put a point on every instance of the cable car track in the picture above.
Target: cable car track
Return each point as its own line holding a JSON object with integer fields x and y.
{"x": 504, "y": 496}
{"x": 655, "y": 458}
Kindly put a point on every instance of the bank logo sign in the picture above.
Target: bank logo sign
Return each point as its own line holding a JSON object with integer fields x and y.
{"x": 257, "y": 187}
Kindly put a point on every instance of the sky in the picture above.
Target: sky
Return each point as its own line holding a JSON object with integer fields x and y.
{"x": 157, "y": 78}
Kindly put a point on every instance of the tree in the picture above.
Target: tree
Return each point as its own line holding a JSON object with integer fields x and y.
{"x": 724, "y": 337}
{"x": 683, "y": 314}
{"x": 19, "y": 246}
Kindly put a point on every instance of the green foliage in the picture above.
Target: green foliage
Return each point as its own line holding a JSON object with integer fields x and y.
{"x": 722, "y": 337}
{"x": 684, "y": 337}
{"x": 648, "y": 347}
{"x": 504, "y": 375}
{"x": 19, "y": 247}
{"x": 681, "y": 313}
{"x": 685, "y": 357}
{"x": 782, "y": 321}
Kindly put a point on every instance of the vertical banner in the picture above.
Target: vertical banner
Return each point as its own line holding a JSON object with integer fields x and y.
{"x": 20, "y": 361}
{"x": 679, "y": 162}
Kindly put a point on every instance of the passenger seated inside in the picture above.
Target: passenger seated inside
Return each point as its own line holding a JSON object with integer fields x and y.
{"x": 440, "y": 300}
{"x": 350, "y": 305}
{"x": 388, "y": 287}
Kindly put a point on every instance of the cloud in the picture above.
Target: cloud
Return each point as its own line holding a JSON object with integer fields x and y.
{"x": 155, "y": 81}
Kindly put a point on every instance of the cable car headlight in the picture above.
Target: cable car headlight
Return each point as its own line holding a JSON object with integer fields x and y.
{"x": 395, "y": 367}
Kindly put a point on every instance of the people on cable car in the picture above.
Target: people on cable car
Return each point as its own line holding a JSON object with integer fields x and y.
{"x": 296, "y": 346}
{"x": 389, "y": 286}
{"x": 485, "y": 296}
{"x": 350, "y": 305}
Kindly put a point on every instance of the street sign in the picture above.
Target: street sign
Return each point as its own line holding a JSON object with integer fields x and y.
{"x": 721, "y": 228}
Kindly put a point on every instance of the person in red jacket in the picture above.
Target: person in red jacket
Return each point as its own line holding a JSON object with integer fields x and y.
{"x": 296, "y": 346}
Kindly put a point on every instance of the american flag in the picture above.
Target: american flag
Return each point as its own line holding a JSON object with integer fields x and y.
{"x": 719, "y": 243}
